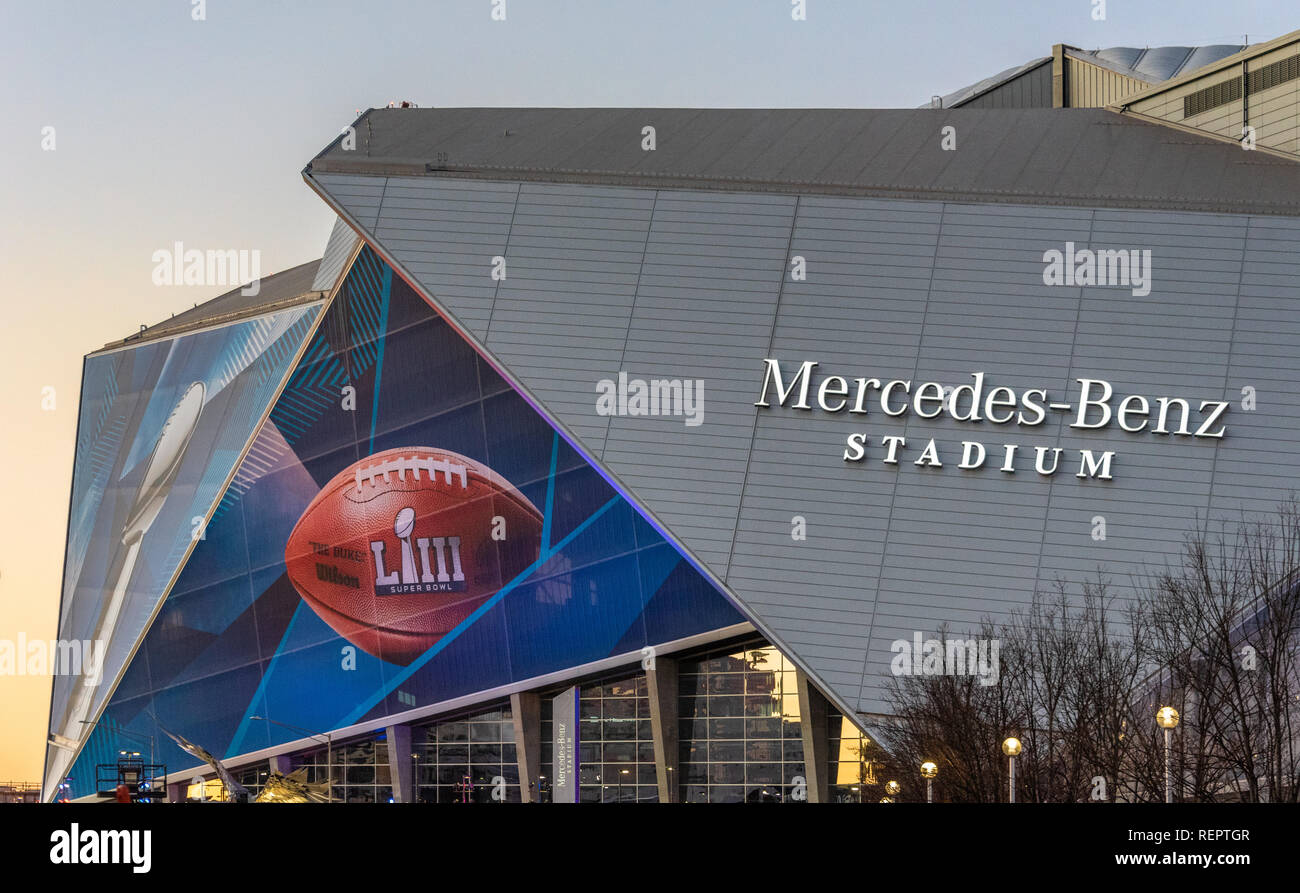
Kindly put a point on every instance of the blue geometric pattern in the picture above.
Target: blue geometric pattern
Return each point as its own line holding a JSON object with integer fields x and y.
{"x": 235, "y": 640}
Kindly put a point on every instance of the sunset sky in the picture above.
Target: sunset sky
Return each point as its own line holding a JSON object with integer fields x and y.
{"x": 169, "y": 129}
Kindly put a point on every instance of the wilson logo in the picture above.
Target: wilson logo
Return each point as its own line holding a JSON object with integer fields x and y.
{"x": 439, "y": 568}
{"x": 329, "y": 573}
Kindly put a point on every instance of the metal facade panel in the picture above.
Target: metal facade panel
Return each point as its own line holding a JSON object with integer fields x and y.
{"x": 970, "y": 94}
{"x": 562, "y": 313}
{"x": 922, "y": 291}
{"x": 704, "y": 306}
{"x": 1093, "y": 86}
{"x": 1265, "y": 358}
{"x": 337, "y": 251}
{"x": 362, "y": 195}
{"x": 447, "y": 234}
{"x": 811, "y": 590}
{"x": 1031, "y": 89}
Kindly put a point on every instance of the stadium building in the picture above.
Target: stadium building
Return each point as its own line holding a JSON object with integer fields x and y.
{"x": 606, "y": 454}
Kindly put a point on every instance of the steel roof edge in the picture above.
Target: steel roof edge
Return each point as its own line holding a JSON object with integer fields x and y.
{"x": 209, "y": 322}
{"x": 1087, "y": 57}
{"x": 1280, "y": 155}
{"x": 413, "y": 148}
{"x": 279, "y": 296}
{"x": 812, "y": 187}
{"x": 997, "y": 80}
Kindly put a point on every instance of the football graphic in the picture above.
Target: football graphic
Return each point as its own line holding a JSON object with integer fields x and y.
{"x": 399, "y": 548}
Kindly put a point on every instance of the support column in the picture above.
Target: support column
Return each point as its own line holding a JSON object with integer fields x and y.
{"x": 1245, "y": 96}
{"x": 281, "y": 763}
{"x": 526, "y": 708}
{"x": 812, "y": 723}
{"x": 661, "y": 687}
{"x": 176, "y": 791}
{"x": 400, "y": 767}
{"x": 1060, "y": 71}
{"x": 564, "y": 742}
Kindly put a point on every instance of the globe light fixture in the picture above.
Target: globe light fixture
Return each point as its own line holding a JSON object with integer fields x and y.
{"x": 1011, "y": 747}
{"x": 929, "y": 770}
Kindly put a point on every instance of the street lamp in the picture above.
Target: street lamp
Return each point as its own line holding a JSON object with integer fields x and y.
{"x": 1167, "y": 719}
{"x": 892, "y": 788}
{"x": 929, "y": 771}
{"x": 1011, "y": 747}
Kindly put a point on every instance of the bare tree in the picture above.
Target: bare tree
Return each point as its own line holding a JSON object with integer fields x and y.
{"x": 1061, "y": 689}
{"x": 1225, "y": 626}
{"x": 955, "y": 721}
{"x": 1083, "y": 673}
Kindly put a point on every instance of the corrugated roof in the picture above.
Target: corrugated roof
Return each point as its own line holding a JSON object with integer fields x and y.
{"x": 1090, "y": 157}
{"x": 1150, "y": 65}
{"x": 970, "y": 91}
{"x": 283, "y": 289}
{"x": 1156, "y": 64}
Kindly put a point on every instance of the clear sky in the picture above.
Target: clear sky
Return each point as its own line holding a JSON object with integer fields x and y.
{"x": 170, "y": 129}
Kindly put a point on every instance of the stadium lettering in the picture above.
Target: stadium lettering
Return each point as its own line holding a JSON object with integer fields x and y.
{"x": 978, "y": 401}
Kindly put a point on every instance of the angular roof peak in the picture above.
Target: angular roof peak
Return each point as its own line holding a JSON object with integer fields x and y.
{"x": 1082, "y": 157}
{"x": 282, "y": 289}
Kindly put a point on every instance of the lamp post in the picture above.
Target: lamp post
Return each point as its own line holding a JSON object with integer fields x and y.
{"x": 1167, "y": 719}
{"x": 329, "y": 746}
{"x": 1011, "y": 747}
{"x": 892, "y": 788}
{"x": 929, "y": 771}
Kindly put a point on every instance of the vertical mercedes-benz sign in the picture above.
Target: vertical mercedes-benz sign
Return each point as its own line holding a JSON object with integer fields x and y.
{"x": 564, "y": 733}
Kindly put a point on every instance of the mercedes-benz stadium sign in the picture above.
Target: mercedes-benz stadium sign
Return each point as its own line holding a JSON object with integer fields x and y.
{"x": 1000, "y": 405}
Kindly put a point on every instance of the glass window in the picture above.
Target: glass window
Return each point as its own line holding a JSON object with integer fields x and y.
{"x": 750, "y": 750}
{"x": 726, "y": 728}
{"x": 452, "y": 731}
{"x": 726, "y": 706}
{"x": 486, "y": 731}
{"x": 691, "y": 683}
{"x": 616, "y": 750}
{"x": 726, "y": 751}
{"x": 727, "y": 684}
{"x": 464, "y": 758}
